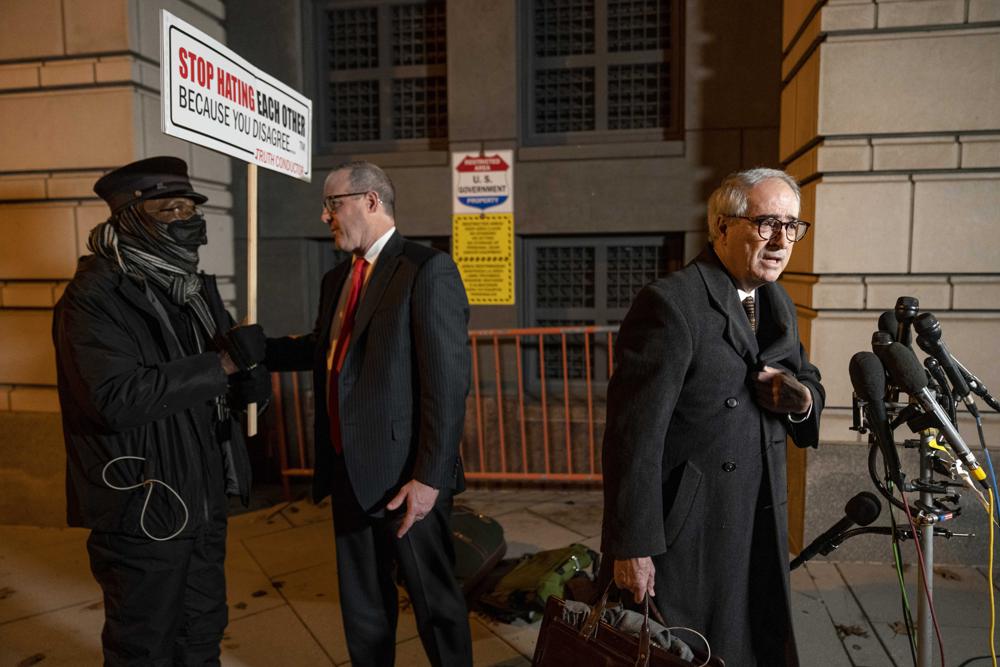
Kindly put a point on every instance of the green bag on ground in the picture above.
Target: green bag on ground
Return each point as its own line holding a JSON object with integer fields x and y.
{"x": 523, "y": 592}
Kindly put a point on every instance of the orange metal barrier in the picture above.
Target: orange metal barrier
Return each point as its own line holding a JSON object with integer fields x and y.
{"x": 280, "y": 422}
{"x": 535, "y": 419}
{"x": 550, "y": 446}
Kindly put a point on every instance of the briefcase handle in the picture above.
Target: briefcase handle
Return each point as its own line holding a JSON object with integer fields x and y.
{"x": 589, "y": 629}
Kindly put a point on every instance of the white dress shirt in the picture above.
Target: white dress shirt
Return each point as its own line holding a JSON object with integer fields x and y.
{"x": 371, "y": 256}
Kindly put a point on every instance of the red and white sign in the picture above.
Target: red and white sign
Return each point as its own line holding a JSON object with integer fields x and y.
{"x": 483, "y": 183}
{"x": 214, "y": 98}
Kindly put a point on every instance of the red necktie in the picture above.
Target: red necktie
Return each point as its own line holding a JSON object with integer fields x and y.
{"x": 340, "y": 351}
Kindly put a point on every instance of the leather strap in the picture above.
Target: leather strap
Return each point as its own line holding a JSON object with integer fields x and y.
{"x": 589, "y": 629}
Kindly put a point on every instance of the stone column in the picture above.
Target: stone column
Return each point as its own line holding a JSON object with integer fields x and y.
{"x": 79, "y": 95}
{"x": 890, "y": 118}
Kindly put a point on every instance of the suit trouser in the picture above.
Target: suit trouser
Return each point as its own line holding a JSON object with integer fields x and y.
{"x": 164, "y": 602}
{"x": 368, "y": 553}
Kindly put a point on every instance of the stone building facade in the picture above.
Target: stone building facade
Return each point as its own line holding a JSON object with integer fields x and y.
{"x": 890, "y": 117}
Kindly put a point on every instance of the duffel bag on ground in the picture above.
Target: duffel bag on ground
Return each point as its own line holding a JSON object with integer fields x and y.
{"x": 479, "y": 545}
{"x": 523, "y": 591}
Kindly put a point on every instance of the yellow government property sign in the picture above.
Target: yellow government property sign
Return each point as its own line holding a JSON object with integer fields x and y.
{"x": 483, "y": 249}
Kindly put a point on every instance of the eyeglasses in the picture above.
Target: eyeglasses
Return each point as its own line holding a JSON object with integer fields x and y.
{"x": 179, "y": 209}
{"x": 768, "y": 226}
{"x": 332, "y": 203}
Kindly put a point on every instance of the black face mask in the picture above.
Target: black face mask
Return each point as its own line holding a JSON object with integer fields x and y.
{"x": 189, "y": 233}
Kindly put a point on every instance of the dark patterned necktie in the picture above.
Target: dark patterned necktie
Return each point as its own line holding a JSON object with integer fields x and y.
{"x": 751, "y": 311}
{"x": 340, "y": 351}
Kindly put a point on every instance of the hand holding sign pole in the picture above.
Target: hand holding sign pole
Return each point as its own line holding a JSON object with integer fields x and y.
{"x": 214, "y": 98}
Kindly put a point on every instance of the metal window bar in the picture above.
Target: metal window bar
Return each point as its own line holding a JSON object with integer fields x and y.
{"x": 419, "y": 33}
{"x": 602, "y": 70}
{"x": 501, "y": 411}
{"x": 385, "y": 71}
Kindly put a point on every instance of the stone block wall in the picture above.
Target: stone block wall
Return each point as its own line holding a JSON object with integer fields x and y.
{"x": 891, "y": 120}
{"x": 79, "y": 95}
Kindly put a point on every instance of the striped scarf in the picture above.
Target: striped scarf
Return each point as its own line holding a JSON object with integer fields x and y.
{"x": 143, "y": 248}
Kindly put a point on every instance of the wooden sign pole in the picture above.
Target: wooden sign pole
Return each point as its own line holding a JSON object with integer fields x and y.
{"x": 251, "y": 316}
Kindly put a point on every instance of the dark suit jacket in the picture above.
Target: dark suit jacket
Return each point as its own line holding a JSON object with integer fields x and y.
{"x": 687, "y": 449}
{"x": 404, "y": 380}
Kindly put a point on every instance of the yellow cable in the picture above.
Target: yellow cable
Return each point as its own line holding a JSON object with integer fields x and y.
{"x": 993, "y": 613}
{"x": 933, "y": 442}
{"x": 979, "y": 473}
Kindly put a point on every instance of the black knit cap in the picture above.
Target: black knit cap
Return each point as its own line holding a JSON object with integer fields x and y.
{"x": 153, "y": 178}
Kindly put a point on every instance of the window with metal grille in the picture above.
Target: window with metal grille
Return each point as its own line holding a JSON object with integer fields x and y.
{"x": 565, "y": 277}
{"x": 384, "y": 69}
{"x": 602, "y": 70}
{"x": 574, "y": 281}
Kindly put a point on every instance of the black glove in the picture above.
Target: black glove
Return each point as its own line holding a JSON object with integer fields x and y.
{"x": 246, "y": 345}
{"x": 252, "y": 386}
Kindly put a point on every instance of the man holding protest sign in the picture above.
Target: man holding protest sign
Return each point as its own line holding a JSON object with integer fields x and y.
{"x": 150, "y": 372}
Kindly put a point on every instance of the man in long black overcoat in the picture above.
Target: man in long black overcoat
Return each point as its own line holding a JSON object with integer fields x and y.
{"x": 711, "y": 377}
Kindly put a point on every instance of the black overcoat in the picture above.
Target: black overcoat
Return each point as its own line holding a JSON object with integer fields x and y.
{"x": 126, "y": 388}
{"x": 693, "y": 468}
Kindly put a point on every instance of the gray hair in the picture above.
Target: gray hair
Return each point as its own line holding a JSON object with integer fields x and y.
{"x": 732, "y": 197}
{"x": 368, "y": 177}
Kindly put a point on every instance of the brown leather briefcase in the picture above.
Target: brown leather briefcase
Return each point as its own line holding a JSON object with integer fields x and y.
{"x": 597, "y": 644}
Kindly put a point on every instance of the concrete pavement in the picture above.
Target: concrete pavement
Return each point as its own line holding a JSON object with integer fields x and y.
{"x": 284, "y": 602}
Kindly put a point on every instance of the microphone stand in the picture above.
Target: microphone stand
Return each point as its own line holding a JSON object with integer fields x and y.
{"x": 929, "y": 512}
{"x": 925, "y": 584}
{"x": 902, "y": 533}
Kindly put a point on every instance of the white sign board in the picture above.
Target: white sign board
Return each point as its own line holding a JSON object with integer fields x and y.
{"x": 214, "y": 98}
{"x": 483, "y": 182}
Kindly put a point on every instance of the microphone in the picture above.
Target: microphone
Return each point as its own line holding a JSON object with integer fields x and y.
{"x": 868, "y": 379}
{"x": 862, "y": 509}
{"x": 906, "y": 309}
{"x": 934, "y": 368}
{"x": 977, "y": 386}
{"x": 962, "y": 379}
{"x": 887, "y": 323}
{"x": 929, "y": 339}
{"x": 881, "y": 339}
{"x": 880, "y": 343}
{"x": 907, "y": 372}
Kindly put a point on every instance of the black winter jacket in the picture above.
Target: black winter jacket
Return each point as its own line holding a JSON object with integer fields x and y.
{"x": 127, "y": 388}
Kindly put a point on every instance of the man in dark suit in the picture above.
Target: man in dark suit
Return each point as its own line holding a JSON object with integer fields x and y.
{"x": 391, "y": 363}
{"x": 705, "y": 392}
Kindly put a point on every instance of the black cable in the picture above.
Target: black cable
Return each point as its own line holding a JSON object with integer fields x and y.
{"x": 873, "y": 452}
{"x": 978, "y": 657}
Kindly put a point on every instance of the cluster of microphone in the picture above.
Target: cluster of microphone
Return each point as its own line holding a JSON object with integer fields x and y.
{"x": 878, "y": 377}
